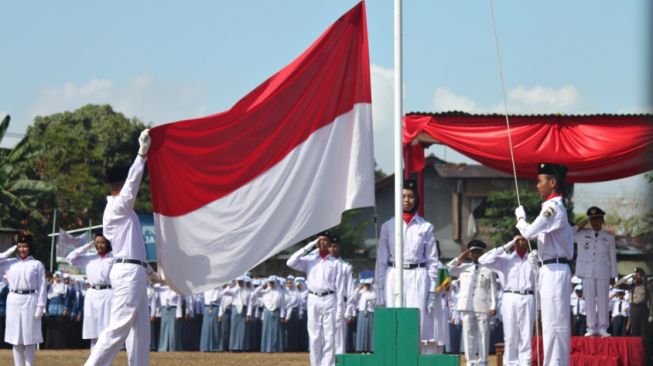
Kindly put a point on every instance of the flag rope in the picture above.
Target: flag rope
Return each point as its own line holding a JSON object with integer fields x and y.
{"x": 512, "y": 156}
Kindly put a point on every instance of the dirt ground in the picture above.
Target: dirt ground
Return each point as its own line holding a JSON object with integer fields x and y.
{"x": 77, "y": 357}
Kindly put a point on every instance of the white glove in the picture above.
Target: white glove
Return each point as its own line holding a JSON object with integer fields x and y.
{"x": 39, "y": 312}
{"x": 340, "y": 316}
{"x": 532, "y": 257}
{"x": 430, "y": 303}
{"x": 7, "y": 253}
{"x": 144, "y": 142}
{"x": 509, "y": 245}
{"x": 520, "y": 213}
{"x": 650, "y": 318}
{"x": 308, "y": 247}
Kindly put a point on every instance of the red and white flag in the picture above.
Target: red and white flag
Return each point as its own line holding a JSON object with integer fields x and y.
{"x": 232, "y": 189}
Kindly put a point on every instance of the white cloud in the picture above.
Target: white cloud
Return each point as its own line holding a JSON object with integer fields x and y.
{"x": 383, "y": 114}
{"x": 537, "y": 99}
{"x": 143, "y": 97}
{"x": 446, "y": 100}
{"x": 540, "y": 96}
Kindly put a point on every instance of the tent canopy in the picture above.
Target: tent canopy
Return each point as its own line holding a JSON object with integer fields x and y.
{"x": 596, "y": 147}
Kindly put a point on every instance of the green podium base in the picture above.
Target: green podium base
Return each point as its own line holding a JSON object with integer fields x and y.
{"x": 396, "y": 342}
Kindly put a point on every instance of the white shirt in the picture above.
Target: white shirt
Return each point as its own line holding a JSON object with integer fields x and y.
{"x": 597, "y": 254}
{"x": 120, "y": 223}
{"x": 26, "y": 274}
{"x": 518, "y": 273}
{"x": 272, "y": 299}
{"x": 625, "y": 307}
{"x": 419, "y": 247}
{"x": 168, "y": 298}
{"x": 477, "y": 287}
{"x": 365, "y": 300}
{"x": 552, "y": 230}
{"x": 96, "y": 267}
{"x": 212, "y": 296}
{"x": 578, "y": 304}
{"x": 239, "y": 298}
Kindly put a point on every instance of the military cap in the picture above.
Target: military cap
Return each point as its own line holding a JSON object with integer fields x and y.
{"x": 476, "y": 245}
{"x": 557, "y": 170}
{"x": 595, "y": 212}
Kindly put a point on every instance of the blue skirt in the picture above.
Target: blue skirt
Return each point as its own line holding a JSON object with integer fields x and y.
{"x": 365, "y": 331}
{"x": 170, "y": 333}
{"x": 272, "y": 334}
{"x": 239, "y": 333}
{"x": 210, "y": 337}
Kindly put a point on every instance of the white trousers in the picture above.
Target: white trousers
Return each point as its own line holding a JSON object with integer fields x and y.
{"x": 596, "y": 294}
{"x": 555, "y": 302}
{"x": 476, "y": 333}
{"x": 24, "y": 355}
{"x": 97, "y": 312}
{"x": 321, "y": 323}
{"x": 415, "y": 294}
{"x": 518, "y": 312}
{"x": 340, "y": 335}
{"x": 130, "y": 320}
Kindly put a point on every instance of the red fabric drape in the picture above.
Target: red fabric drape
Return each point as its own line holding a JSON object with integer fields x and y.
{"x": 595, "y": 147}
{"x": 613, "y": 351}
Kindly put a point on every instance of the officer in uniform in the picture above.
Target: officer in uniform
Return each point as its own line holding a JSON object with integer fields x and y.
{"x": 596, "y": 265}
{"x": 477, "y": 301}
{"x": 555, "y": 245}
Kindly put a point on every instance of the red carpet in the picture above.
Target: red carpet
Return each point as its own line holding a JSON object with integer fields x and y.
{"x": 597, "y": 351}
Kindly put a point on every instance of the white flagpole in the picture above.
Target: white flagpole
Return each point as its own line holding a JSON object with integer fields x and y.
{"x": 54, "y": 227}
{"x": 399, "y": 227}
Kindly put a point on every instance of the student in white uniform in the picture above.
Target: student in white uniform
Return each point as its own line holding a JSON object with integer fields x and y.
{"x": 518, "y": 300}
{"x": 97, "y": 302}
{"x": 26, "y": 300}
{"x": 555, "y": 249}
{"x": 578, "y": 312}
{"x": 620, "y": 311}
{"x": 596, "y": 265}
{"x": 420, "y": 262}
{"x": 477, "y": 302}
{"x": 324, "y": 279}
{"x": 335, "y": 249}
{"x": 129, "y": 306}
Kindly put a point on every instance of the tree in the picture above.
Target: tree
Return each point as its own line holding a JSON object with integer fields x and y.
{"x": 70, "y": 151}
{"x": 17, "y": 193}
{"x": 499, "y": 220}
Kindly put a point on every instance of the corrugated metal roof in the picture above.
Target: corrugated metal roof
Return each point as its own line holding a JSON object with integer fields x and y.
{"x": 495, "y": 115}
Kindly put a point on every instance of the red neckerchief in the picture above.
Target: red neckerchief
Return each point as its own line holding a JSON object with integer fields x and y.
{"x": 323, "y": 255}
{"x": 521, "y": 252}
{"x": 23, "y": 258}
{"x": 553, "y": 195}
{"x": 102, "y": 254}
{"x": 408, "y": 216}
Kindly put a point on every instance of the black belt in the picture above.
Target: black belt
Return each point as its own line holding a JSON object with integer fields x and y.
{"x": 130, "y": 261}
{"x": 322, "y": 293}
{"x": 100, "y": 287}
{"x": 169, "y": 307}
{"x": 555, "y": 260}
{"x": 408, "y": 265}
{"x": 23, "y": 292}
{"x": 525, "y": 292}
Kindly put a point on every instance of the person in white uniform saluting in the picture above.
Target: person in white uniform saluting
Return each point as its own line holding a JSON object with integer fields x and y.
{"x": 518, "y": 301}
{"x": 555, "y": 248}
{"x": 477, "y": 301}
{"x": 26, "y": 300}
{"x": 129, "y": 306}
{"x": 596, "y": 265}
{"x": 325, "y": 282}
{"x": 420, "y": 265}
{"x": 97, "y": 302}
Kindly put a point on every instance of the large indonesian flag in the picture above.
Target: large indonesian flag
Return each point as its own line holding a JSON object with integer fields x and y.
{"x": 232, "y": 189}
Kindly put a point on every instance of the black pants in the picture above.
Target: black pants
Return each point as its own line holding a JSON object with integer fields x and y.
{"x": 619, "y": 326}
{"x": 579, "y": 325}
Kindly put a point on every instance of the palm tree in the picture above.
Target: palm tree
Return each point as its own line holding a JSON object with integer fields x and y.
{"x": 16, "y": 191}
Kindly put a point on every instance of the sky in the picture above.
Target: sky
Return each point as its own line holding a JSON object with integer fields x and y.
{"x": 163, "y": 61}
